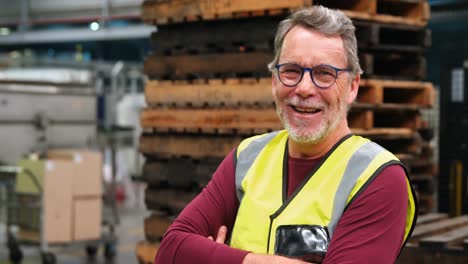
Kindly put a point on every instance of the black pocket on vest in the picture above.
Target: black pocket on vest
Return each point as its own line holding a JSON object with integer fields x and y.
{"x": 306, "y": 242}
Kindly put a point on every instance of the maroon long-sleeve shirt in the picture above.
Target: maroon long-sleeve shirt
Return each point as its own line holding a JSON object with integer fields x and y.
{"x": 371, "y": 230}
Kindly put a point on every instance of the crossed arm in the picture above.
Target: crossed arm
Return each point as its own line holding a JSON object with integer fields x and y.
{"x": 370, "y": 230}
{"x": 252, "y": 258}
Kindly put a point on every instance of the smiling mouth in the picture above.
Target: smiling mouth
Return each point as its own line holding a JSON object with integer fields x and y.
{"x": 305, "y": 110}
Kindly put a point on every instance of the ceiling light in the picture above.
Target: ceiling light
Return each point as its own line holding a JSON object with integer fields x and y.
{"x": 94, "y": 26}
{"x": 4, "y": 31}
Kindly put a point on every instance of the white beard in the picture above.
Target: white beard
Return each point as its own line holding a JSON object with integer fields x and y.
{"x": 303, "y": 131}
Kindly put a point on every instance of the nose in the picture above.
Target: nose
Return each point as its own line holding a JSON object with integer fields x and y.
{"x": 306, "y": 87}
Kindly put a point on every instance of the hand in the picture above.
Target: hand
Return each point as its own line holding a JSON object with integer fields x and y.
{"x": 221, "y": 236}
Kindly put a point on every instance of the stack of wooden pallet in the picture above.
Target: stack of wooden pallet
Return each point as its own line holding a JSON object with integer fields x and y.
{"x": 438, "y": 239}
{"x": 209, "y": 88}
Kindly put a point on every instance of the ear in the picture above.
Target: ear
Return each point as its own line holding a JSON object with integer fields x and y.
{"x": 354, "y": 89}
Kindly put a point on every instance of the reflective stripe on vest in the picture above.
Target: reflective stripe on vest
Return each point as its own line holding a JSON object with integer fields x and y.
{"x": 247, "y": 157}
{"x": 362, "y": 159}
{"x": 356, "y": 165}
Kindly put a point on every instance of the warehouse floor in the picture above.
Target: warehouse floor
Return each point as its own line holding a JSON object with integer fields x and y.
{"x": 129, "y": 232}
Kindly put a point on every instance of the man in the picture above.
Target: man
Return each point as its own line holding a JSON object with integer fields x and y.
{"x": 313, "y": 192}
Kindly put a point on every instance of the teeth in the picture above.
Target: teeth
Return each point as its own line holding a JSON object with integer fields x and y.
{"x": 306, "y": 110}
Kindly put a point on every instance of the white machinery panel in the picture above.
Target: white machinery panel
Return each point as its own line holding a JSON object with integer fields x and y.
{"x": 20, "y": 139}
{"x": 24, "y": 107}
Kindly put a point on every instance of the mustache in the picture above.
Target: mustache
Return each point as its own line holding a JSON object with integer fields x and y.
{"x": 306, "y": 103}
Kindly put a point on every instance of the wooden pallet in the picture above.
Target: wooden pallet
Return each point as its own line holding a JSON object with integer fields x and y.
{"x": 425, "y": 183}
{"x": 196, "y": 146}
{"x": 438, "y": 239}
{"x": 187, "y": 173}
{"x": 171, "y": 201}
{"x": 423, "y": 234}
{"x": 423, "y": 177}
{"x": 399, "y": 143}
{"x": 365, "y": 117}
{"x": 207, "y": 65}
{"x": 428, "y": 218}
{"x": 146, "y": 252}
{"x": 210, "y": 36}
{"x": 424, "y": 162}
{"x": 391, "y": 37}
{"x": 423, "y": 172}
{"x": 423, "y": 166}
{"x": 201, "y": 146}
{"x": 227, "y": 121}
{"x": 428, "y": 151}
{"x": 395, "y": 94}
{"x": 155, "y": 12}
{"x": 156, "y": 224}
{"x": 393, "y": 65}
{"x": 427, "y": 132}
{"x": 181, "y": 173}
{"x": 426, "y": 202}
{"x": 375, "y": 64}
{"x": 258, "y": 33}
{"x": 362, "y": 9}
{"x": 407, "y": 12}
{"x": 246, "y": 121}
{"x": 234, "y": 92}
{"x": 387, "y": 11}
{"x": 411, "y": 12}
{"x": 252, "y": 92}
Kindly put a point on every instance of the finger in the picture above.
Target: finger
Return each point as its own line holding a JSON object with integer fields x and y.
{"x": 221, "y": 237}
{"x": 210, "y": 238}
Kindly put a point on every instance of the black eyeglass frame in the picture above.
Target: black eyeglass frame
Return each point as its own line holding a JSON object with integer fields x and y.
{"x": 306, "y": 69}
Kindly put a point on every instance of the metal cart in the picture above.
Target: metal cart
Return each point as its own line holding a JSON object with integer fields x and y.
{"x": 11, "y": 203}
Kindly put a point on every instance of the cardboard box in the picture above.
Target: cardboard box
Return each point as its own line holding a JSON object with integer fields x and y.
{"x": 54, "y": 178}
{"x": 87, "y": 217}
{"x": 72, "y": 201}
{"x": 87, "y": 180}
{"x": 57, "y": 201}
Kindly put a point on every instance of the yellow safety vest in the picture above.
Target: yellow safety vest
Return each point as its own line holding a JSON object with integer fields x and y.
{"x": 321, "y": 200}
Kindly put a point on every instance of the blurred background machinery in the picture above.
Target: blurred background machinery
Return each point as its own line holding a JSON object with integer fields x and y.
{"x": 50, "y": 107}
{"x": 52, "y": 104}
{"x": 43, "y": 108}
{"x": 453, "y": 157}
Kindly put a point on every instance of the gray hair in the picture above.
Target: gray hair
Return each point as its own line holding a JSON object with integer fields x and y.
{"x": 327, "y": 21}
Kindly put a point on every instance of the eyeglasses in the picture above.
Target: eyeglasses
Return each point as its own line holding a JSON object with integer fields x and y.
{"x": 323, "y": 75}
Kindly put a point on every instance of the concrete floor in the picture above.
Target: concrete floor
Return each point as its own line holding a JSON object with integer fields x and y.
{"x": 129, "y": 232}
